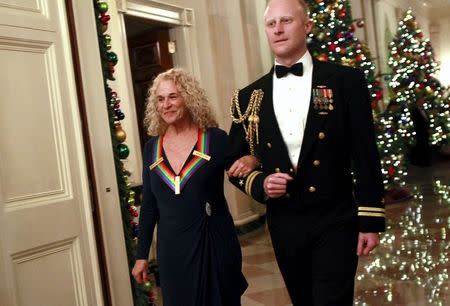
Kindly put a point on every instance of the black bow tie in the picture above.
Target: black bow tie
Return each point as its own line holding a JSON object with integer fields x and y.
{"x": 296, "y": 69}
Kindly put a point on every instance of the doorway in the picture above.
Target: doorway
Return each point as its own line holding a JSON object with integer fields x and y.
{"x": 148, "y": 48}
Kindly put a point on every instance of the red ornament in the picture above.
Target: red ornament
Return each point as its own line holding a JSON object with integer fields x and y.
{"x": 105, "y": 18}
{"x": 340, "y": 35}
{"x": 342, "y": 13}
{"x": 391, "y": 171}
{"x": 333, "y": 47}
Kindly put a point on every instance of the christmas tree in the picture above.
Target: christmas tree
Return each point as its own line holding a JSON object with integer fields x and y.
{"x": 414, "y": 85}
{"x": 333, "y": 39}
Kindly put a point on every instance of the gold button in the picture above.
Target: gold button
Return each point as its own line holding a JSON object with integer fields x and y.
{"x": 312, "y": 189}
{"x": 269, "y": 145}
{"x": 277, "y": 169}
{"x": 291, "y": 170}
{"x": 321, "y": 135}
{"x": 316, "y": 162}
{"x": 287, "y": 195}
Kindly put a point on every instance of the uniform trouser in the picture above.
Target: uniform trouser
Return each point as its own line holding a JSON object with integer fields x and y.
{"x": 316, "y": 252}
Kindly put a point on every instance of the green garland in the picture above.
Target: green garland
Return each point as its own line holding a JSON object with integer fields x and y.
{"x": 141, "y": 293}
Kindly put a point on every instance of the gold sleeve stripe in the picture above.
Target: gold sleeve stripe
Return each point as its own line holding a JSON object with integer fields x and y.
{"x": 369, "y": 214}
{"x": 249, "y": 182}
{"x": 371, "y": 208}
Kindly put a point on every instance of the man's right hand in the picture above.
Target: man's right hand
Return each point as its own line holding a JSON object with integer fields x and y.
{"x": 275, "y": 185}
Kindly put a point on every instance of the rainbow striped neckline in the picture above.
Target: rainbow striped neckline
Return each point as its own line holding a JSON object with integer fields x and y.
{"x": 200, "y": 157}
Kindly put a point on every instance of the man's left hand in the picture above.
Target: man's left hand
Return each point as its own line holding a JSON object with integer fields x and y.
{"x": 367, "y": 242}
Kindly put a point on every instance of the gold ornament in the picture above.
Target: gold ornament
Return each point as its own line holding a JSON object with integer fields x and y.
{"x": 348, "y": 62}
{"x": 120, "y": 135}
{"x": 322, "y": 57}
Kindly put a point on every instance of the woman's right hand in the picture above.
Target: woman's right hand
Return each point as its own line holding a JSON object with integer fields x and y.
{"x": 243, "y": 166}
{"x": 139, "y": 271}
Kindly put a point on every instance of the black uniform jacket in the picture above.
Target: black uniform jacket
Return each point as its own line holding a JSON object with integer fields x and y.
{"x": 339, "y": 162}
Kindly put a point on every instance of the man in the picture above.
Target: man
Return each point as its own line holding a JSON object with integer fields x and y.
{"x": 421, "y": 152}
{"x": 311, "y": 128}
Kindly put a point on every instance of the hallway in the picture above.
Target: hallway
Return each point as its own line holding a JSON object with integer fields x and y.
{"x": 409, "y": 268}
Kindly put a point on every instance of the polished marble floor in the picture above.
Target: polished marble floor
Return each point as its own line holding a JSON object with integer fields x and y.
{"x": 409, "y": 268}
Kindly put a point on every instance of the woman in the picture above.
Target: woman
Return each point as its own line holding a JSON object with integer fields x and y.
{"x": 199, "y": 256}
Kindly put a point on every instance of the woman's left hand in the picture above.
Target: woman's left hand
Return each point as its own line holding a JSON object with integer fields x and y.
{"x": 243, "y": 166}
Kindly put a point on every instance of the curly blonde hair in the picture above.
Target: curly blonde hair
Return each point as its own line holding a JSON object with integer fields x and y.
{"x": 194, "y": 98}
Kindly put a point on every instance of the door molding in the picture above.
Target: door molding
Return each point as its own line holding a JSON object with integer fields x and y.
{"x": 159, "y": 11}
{"x": 180, "y": 20}
{"x": 106, "y": 189}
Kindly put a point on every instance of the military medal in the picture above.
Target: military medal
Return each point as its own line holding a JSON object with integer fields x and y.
{"x": 316, "y": 98}
{"x": 323, "y": 99}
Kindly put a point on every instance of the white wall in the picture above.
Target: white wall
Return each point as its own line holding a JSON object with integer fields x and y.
{"x": 444, "y": 50}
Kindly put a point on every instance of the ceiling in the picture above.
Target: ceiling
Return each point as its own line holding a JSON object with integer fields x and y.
{"x": 439, "y": 4}
{"x": 434, "y": 8}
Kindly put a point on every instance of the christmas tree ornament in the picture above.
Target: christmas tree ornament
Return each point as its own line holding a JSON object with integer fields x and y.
{"x": 321, "y": 36}
{"x": 121, "y": 136}
{"x": 120, "y": 115}
{"x": 123, "y": 151}
{"x": 112, "y": 57}
{"x": 102, "y": 6}
{"x": 342, "y": 13}
{"x": 323, "y": 57}
{"x": 105, "y": 19}
{"x": 360, "y": 23}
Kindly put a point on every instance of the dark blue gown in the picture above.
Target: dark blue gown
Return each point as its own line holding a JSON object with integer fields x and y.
{"x": 198, "y": 253}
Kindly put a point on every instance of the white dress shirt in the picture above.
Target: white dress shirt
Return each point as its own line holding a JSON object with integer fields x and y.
{"x": 291, "y": 98}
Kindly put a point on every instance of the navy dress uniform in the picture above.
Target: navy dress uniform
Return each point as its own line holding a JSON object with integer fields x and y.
{"x": 337, "y": 188}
